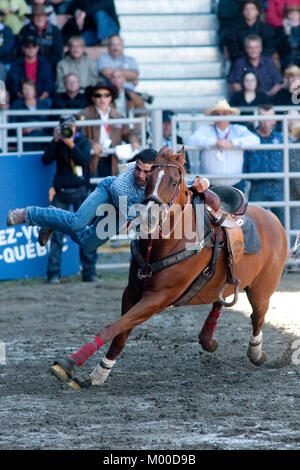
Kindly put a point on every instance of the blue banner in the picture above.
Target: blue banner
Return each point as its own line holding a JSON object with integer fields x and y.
{"x": 25, "y": 181}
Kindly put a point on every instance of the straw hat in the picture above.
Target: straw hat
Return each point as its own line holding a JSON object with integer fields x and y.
{"x": 222, "y": 105}
{"x": 292, "y": 70}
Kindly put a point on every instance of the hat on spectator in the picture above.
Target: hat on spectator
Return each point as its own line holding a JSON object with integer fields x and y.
{"x": 67, "y": 119}
{"x": 222, "y": 105}
{"x": 258, "y": 3}
{"x": 290, "y": 8}
{"x": 31, "y": 38}
{"x": 38, "y": 10}
{"x": 112, "y": 89}
{"x": 167, "y": 114}
{"x": 292, "y": 70}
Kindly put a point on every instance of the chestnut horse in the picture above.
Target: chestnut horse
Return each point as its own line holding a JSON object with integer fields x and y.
{"x": 144, "y": 296}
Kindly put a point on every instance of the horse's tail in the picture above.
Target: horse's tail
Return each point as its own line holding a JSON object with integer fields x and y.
{"x": 295, "y": 250}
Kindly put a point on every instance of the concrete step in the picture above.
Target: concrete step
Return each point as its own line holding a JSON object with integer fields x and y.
{"x": 168, "y": 22}
{"x": 181, "y": 70}
{"x": 183, "y": 88}
{"x": 173, "y": 54}
{"x": 169, "y": 38}
{"x": 127, "y": 7}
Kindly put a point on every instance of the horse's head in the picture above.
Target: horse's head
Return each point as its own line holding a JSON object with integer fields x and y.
{"x": 164, "y": 185}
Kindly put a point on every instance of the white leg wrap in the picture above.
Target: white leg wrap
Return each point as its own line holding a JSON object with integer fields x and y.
{"x": 101, "y": 371}
{"x": 255, "y": 347}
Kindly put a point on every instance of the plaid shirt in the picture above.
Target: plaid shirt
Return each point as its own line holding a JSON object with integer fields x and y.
{"x": 124, "y": 185}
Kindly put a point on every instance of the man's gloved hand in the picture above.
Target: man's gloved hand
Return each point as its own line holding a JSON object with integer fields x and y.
{"x": 200, "y": 184}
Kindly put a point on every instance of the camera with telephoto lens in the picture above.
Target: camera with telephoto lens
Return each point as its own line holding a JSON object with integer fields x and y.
{"x": 64, "y": 125}
{"x": 66, "y": 131}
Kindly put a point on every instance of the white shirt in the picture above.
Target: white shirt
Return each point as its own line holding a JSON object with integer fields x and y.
{"x": 222, "y": 162}
{"x": 104, "y": 132}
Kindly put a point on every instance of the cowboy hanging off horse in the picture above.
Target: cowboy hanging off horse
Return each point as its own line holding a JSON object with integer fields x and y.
{"x": 165, "y": 273}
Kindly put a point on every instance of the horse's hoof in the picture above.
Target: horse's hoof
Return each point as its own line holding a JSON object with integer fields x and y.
{"x": 63, "y": 369}
{"x": 209, "y": 346}
{"x": 78, "y": 384}
{"x": 260, "y": 361}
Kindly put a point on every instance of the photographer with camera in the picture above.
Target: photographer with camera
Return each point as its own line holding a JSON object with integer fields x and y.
{"x": 72, "y": 154}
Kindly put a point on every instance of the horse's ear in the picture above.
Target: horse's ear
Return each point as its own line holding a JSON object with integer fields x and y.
{"x": 162, "y": 151}
{"x": 181, "y": 156}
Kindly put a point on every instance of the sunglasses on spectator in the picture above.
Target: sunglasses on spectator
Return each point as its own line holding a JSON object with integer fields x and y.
{"x": 101, "y": 95}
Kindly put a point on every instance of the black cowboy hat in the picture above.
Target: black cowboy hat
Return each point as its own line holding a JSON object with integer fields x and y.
{"x": 31, "y": 38}
{"x": 112, "y": 89}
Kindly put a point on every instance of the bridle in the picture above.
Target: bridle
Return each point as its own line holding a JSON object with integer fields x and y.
{"x": 157, "y": 199}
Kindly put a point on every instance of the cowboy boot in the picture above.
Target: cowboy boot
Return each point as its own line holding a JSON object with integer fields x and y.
{"x": 16, "y": 217}
{"x": 44, "y": 235}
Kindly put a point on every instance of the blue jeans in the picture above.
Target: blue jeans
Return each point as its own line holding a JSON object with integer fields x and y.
{"x": 105, "y": 27}
{"x": 87, "y": 258}
{"x": 75, "y": 224}
{"x": 268, "y": 191}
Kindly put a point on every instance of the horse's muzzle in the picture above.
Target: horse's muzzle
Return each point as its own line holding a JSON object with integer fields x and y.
{"x": 153, "y": 198}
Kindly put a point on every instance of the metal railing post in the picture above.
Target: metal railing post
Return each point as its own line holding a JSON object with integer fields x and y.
{"x": 156, "y": 125}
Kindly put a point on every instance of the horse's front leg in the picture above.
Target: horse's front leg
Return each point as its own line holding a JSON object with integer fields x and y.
{"x": 102, "y": 370}
{"x": 206, "y": 339}
{"x": 150, "y": 304}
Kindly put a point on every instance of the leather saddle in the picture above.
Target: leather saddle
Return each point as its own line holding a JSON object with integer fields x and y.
{"x": 225, "y": 209}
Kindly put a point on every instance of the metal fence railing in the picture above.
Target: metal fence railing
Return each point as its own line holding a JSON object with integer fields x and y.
{"x": 151, "y": 134}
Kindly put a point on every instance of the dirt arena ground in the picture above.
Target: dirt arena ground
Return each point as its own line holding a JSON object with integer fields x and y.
{"x": 164, "y": 392}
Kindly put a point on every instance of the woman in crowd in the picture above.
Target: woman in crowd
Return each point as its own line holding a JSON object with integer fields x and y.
{"x": 250, "y": 94}
{"x": 29, "y": 101}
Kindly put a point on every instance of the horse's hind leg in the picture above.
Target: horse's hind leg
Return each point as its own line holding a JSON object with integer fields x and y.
{"x": 206, "y": 339}
{"x": 260, "y": 303}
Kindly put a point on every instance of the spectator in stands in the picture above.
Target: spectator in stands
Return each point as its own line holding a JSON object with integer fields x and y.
{"x": 294, "y": 161}
{"x": 49, "y": 9}
{"x": 167, "y": 136}
{"x": 31, "y": 66}
{"x": 104, "y": 19}
{"x": 71, "y": 188}
{"x": 266, "y": 161}
{"x": 270, "y": 78}
{"x": 75, "y": 26}
{"x": 127, "y": 99}
{"x": 284, "y": 97}
{"x": 51, "y": 43}
{"x": 292, "y": 124}
{"x": 76, "y": 61}
{"x": 115, "y": 59}
{"x": 14, "y": 14}
{"x": 102, "y": 137}
{"x": 289, "y": 37}
{"x": 275, "y": 8}
{"x": 249, "y": 24}
{"x": 223, "y": 144}
{"x": 250, "y": 94}
{"x": 228, "y": 13}
{"x": 7, "y": 42}
{"x": 29, "y": 101}
{"x": 73, "y": 97}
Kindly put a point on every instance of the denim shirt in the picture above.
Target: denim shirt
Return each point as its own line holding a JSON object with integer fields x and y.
{"x": 265, "y": 161}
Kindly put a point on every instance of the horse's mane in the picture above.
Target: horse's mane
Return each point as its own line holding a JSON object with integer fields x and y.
{"x": 166, "y": 155}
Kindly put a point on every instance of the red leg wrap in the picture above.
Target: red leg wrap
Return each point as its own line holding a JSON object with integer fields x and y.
{"x": 210, "y": 325}
{"x": 81, "y": 356}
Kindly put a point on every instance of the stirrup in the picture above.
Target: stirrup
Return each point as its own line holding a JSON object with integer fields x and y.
{"x": 236, "y": 293}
